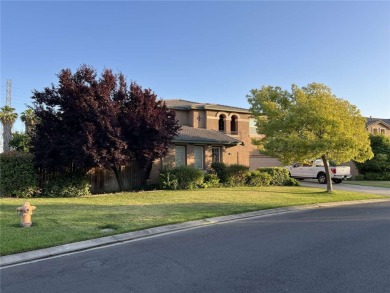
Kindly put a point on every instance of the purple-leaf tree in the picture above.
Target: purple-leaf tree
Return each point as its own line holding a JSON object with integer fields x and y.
{"x": 148, "y": 126}
{"x": 88, "y": 121}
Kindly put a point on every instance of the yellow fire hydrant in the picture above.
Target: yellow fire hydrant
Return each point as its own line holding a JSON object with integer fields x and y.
{"x": 25, "y": 212}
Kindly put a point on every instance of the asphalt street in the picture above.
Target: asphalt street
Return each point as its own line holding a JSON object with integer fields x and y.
{"x": 341, "y": 249}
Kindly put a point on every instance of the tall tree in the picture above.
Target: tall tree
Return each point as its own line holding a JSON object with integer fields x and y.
{"x": 7, "y": 118}
{"x": 309, "y": 123}
{"x": 29, "y": 118}
{"x": 84, "y": 122}
{"x": 77, "y": 123}
{"x": 148, "y": 126}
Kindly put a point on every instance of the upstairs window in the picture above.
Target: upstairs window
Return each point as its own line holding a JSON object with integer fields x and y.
{"x": 234, "y": 125}
{"x": 221, "y": 123}
{"x": 252, "y": 127}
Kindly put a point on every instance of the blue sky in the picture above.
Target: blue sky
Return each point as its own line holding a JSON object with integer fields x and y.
{"x": 212, "y": 52}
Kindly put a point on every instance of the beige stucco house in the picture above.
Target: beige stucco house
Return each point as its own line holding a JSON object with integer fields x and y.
{"x": 219, "y": 133}
{"x": 378, "y": 126}
{"x": 212, "y": 133}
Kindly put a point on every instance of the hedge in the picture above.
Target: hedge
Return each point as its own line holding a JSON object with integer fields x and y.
{"x": 18, "y": 178}
{"x": 238, "y": 175}
{"x": 17, "y": 175}
{"x": 183, "y": 177}
{"x": 67, "y": 185}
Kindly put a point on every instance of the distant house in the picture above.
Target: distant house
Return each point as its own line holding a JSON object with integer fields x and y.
{"x": 212, "y": 133}
{"x": 374, "y": 126}
{"x": 378, "y": 126}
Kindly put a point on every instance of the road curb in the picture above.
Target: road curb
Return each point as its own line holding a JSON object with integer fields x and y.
{"x": 25, "y": 257}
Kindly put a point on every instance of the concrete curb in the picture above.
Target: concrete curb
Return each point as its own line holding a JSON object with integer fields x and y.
{"x": 20, "y": 258}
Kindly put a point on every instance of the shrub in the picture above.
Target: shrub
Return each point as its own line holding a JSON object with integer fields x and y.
{"x": 236, "y": 175}
{"x": 280, "y": 175}
{"x": 168, "y": 180}
{"x": 358, "y": 177}
{"x": 18, "y": 177}
{"x": 230, "y": 175}
{"x": 187, "y": 178}
{"x": 220, "y": 170}
{"x": 211, "y": 180}
{"x": 66, "y": 185}
{"x": 291, "y": 182}
{"x": 257, "y": 178}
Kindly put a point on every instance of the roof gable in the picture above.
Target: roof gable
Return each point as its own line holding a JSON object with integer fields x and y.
{"x": 384, "y": 122}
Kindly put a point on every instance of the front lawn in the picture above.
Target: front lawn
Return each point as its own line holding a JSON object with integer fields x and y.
{"x": 385, "y": 184}
{"x": 64, "y": 220}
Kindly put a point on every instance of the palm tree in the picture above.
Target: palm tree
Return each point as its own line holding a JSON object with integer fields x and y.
{"x": 29, "y": 119}
{"x": 7, "y": 118}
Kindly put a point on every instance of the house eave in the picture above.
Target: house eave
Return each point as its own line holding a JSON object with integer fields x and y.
{"x": 197, "y": 142}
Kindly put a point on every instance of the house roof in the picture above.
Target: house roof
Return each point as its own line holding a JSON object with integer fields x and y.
{"x": 371, "y": 120}
{"x": 179, "y": 104}
{"x": 189, "y": 134}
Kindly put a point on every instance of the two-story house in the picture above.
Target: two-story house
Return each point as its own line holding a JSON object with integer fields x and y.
{"x": 212, "y": 133}
{"x": 218, "y": 133}
{"x": 378, "y": 126}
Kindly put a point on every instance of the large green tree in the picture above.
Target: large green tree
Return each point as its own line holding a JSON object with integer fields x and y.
{"x": 7, "y": 118}
{"x": 309, "y": 123}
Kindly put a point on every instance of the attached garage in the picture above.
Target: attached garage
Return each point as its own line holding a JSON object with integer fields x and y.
{"x": 261, "y": 161}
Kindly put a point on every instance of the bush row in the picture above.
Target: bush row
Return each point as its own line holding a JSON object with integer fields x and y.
{"x": 220, "y": 174}
{"x": 18, "y": 178}
{"x": 384, "y": 176}
{"x": 239, "y": 175}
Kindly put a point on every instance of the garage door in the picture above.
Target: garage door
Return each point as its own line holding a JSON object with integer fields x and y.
{"x": 261, "y": 161}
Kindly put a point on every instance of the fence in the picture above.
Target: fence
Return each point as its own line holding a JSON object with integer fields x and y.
{"x": 101, "y": 180}
{"x": 104, "y": 180}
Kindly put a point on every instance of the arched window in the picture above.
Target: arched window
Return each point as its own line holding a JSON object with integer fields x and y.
{"x": 221, "y": 123}
{"x": 234, "y": 124}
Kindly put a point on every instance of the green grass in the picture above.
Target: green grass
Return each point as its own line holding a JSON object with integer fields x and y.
{"x": 370, "y": 183}
{"x": 64, "y": 220}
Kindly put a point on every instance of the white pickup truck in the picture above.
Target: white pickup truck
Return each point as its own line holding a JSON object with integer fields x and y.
{"x": 316, "y": 170}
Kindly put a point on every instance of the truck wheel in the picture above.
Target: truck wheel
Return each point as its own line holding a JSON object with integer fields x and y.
{"x": 321, "y": 178}
{"x": 337, "y": 181}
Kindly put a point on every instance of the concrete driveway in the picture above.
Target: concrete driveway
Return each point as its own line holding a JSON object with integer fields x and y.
{"x": 348, "y": 187}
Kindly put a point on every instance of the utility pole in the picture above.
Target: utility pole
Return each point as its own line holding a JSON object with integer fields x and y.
{"x": 9, "y": 93}
{"x": 6, "y": 131}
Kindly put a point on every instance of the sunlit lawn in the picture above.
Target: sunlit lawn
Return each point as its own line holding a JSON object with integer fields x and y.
{"x": 66, "y": 220}
{"x": 370, "y": 183}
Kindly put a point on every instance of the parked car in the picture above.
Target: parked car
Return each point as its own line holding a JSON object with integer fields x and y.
{"x": 316, "y": 170}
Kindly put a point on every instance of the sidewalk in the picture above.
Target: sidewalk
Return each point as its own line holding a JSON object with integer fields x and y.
{"x": 20, "y": 258}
